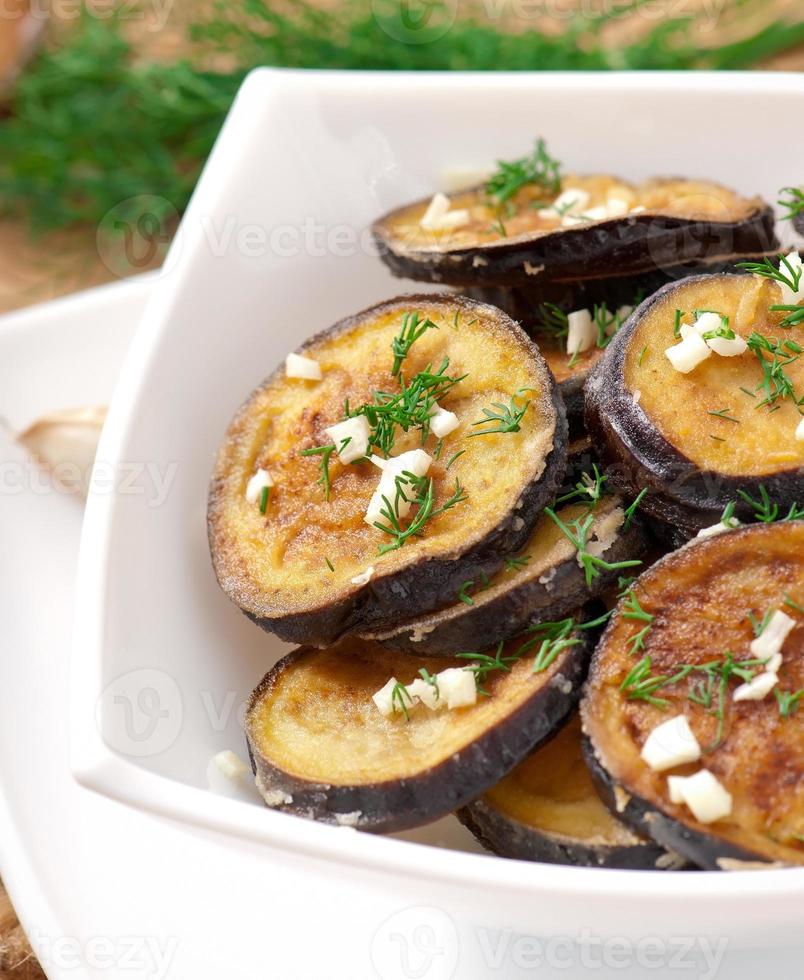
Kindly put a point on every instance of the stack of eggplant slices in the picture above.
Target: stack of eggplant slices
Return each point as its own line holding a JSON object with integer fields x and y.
{"x": 539, "y": 536}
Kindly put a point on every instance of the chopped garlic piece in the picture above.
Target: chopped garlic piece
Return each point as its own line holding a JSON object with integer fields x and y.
{"x": 687, "y": 355}
{"x": 306, "y": 368}
{"x": 439, "y": 217}
{"x": 457, "y": 686}
{"x": 757, "y": 688}
{"x": 231, "y": 765}
{"x": 256, "y": 485}
{"x": 790, "y": 297}
{"x": 605, "y": 533}
{"x": 571, "y": 201}
{"x": 772, "y": 664}
{"x": 800, "y": 430}
{"x": 384, "y": 698}
{"x": 728, "y": 346}
{"x": 442, "y": 422}
{"x": 719, "y": 528}
{"x": 707, "y": 321}
{"x": 417, "y": 462}
{"x": 671, "y": 744}
{"x": 708, "y": 799}
{"x": 428, "y": 694}
{"x": 616, "y": 207}
{"x": 582, "y": 332}
{"x": 598, "y": 213}
{"x": 364, "y": 577}
{"x": 351, "y": 438}
{"x": 771, "y": 639}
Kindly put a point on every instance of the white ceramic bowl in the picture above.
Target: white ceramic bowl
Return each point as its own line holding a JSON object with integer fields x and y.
{"x": 272, "y": 249}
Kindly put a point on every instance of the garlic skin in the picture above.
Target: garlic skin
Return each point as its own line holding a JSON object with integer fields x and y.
{"x": 65, "y": 443}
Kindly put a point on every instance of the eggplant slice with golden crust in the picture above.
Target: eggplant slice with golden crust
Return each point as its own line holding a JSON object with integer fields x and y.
{"x": 687, "y": 628}
{"x": 320, "y": 747}
{"x": 547, "y": 809}
{"x": 696, "y": 439}
{"x": 310, "y": 568}
{"x": 661, "y": 222}
{"x": 545, "y": 582}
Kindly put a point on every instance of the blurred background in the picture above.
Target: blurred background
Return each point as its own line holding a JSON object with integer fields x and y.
{"x": 109, "y": 109}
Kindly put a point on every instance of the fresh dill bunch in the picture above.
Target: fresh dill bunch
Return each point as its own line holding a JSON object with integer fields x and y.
{"x": 90, "y": 125}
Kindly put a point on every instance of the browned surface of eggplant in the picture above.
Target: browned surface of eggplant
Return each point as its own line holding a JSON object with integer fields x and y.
{"x": 545, "y": 582}
{"x": 291, "y": 569}
{"x": 699, "y": 598}
{"x": 547, "y": 809}
{"x": 680, "y": 220}
{"x": 321, "y": 749}
{"x": 696, "y": 439}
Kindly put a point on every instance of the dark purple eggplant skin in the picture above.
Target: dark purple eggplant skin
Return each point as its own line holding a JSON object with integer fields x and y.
{"x": 384, "y": 601}
{"x": 522, "y": 302}
{"x": 798, "y": 223}
{"x": 401, "y": 804}
{"x": 481, "y": 627}
{"x": 703, "y": 850}
{"x": 637, "y": 456}
{"x": 510, "y": 839}
{"x": 635, "y": 244}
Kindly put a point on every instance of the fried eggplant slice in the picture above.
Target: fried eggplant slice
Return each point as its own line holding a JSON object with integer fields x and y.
{"x": 686, "y": 648}
{"x": 540, "y": 235}
{"x": 728, "y": 425}
{"x": 300, "y": 559}
{"x": 321, "y": 748}
{"x": 547, "y": 809}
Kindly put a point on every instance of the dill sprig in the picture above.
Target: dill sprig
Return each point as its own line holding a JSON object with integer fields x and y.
{"x": 413, "y": 327}
{"x": 325, "y": 452}
{"x": 555, "y": 637}
{"x": 426, "y": 509}
{"x": 785, "y": 273}
{"x": 484, "y": 664}
{"x": 590, "y": 488}
{"x": 515, "y": 564}
{"x": 265, "y": 495}
{"x": 795, "y": 314}
{"x": 709, "y": 690}
{"x": 411, "y": 407}
{"x": 765, "y": 509}
{"x": 507, "y": 418}
{"x": 537, "y": 168}
{"x": 398, "y": 695}
{"x": 774, "y": 356}
{"x": 793, "y": 204}
{"x": 631, "y": 509}
{"x": 788, "y": 701}
{"x": 632, "y": 609}
{"x": 577, "y": 533}
{"x": 553, "y": 320}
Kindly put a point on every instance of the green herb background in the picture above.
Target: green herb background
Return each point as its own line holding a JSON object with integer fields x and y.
{"x": 92, "y": 122}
